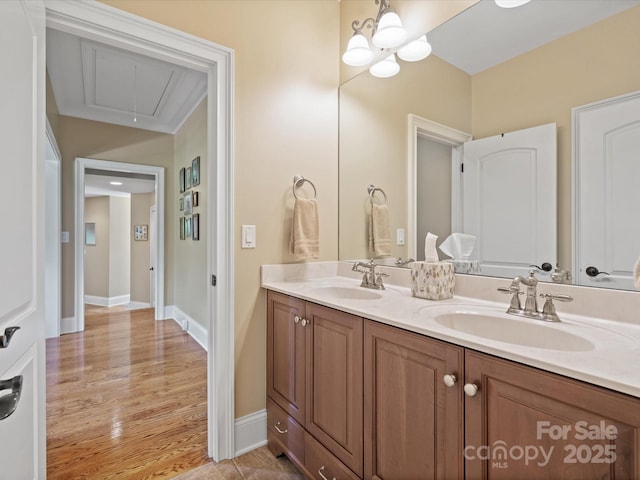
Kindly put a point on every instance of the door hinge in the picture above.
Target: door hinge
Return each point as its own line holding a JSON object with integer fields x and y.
{"x": 462, "y": 168}
{"x": 214, "y": 280}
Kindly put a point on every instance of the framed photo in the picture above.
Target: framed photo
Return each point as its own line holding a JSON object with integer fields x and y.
{"x": 195, "y": 172}
{"x": 187, "y": 227}
{"x": 181, "y": 228}
{"x": 195, "y": 226}
{"x": 140, "y": 232}
{"x": 188, "y": 175}
{"x": 195, "y": 199}
{"x": 182, "y": 180}
{"x": 188, "y": 203}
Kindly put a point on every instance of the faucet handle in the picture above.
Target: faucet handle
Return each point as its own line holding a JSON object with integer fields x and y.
{"x": 549, "y": 309}
{"x": 512, "y": 289}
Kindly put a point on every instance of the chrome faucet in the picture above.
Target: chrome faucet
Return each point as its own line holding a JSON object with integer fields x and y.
{"x": 530, "y": 309}
{"x": 370, "y": 278}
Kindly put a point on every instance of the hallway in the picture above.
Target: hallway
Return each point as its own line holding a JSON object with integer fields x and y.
{"x": 125, "y": 399}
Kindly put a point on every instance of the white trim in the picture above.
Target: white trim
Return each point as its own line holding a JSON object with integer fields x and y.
{"x": 109, "y": 25}
{"x": 54, "y": 187}
{"x": 68, "y": 325}
{"x": 138, "y": 305}
{"x": 251, "y": 432}
{"x": 189, "y": 325}
{"x": 107, "y": 301}
{"x": 419, "y": 126}
{"x": 80, "y": 166}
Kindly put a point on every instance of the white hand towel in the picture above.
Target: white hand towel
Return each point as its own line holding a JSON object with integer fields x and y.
{"x": 636, "y": 274}
{"x": 305, "y": 232}
{"x": 379, "y": 237}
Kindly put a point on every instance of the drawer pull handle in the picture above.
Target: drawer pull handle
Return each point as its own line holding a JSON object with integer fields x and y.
{"x": 450, "y": 380}
{"x": 277, "y": 427}
{"x": 322, "y": 475}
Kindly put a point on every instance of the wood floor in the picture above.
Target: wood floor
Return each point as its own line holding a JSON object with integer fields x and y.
{"x": 125, "y": 399}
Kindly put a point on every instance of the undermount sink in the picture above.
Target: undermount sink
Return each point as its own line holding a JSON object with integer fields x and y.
{"x": 503, "y": 328}
{"x": 349, "y": 293}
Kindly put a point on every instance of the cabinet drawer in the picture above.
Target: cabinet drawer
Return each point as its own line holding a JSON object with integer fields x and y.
{"x": 285, "y": 431}
{"x": 322, "y": 464}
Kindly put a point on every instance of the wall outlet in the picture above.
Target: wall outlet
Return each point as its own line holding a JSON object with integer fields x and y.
{"x": 400, "y": 236}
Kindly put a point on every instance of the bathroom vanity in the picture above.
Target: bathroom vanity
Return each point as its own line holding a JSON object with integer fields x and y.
{"x": 372, "y": 384}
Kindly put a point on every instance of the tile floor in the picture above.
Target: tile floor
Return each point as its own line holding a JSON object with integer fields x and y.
{"x": 258, "y": 464}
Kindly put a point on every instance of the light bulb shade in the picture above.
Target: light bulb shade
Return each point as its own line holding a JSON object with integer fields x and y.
{"x": 389, "y": 33}
{"x": 358, "y": 52}
{"x": 510, "y": 3}
{"x": 414, "y": 51}
{"x": 385, "y": 68}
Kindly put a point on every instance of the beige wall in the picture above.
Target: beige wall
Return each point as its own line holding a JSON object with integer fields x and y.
{"x": 140, "y": 252}
{"x": 285, "y": 124}
{"x": 120, "y": 245}
{"x": 88, "y": 139}
{"x": 544, "y": 85}
{"x": 373, "y": 140}
{"x": 96, "y": 278}
{"x": 190, "y": 272}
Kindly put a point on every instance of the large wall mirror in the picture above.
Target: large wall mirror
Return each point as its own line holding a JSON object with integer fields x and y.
{"x": 542, "y": 85}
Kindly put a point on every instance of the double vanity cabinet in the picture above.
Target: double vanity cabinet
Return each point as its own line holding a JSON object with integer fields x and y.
{"x": 351, "y": 398}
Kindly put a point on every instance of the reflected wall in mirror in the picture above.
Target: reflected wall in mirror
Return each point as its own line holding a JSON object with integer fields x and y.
{"x": 89, "y": 233}
{"x": 537, "y": 87}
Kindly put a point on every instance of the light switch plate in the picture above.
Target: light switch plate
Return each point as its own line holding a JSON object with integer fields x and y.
{"x": 400, "y": 236}
{"x": 64, "y": 237}
{"x": 248, "y": 236}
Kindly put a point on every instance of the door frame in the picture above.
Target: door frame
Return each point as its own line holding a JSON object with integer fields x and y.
{"x": 81, "y": 164}
{"x": 153, "y": 246}
{"x": 115, "y": 27}
{"x": 422, "y": 127}
{"x": 53, "y": 253}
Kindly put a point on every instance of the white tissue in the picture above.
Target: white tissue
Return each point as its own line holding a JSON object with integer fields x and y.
{"x": 430, "y": 252}
{"x": 458, "y": 246}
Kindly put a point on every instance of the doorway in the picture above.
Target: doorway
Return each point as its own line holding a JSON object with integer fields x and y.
{"x": 129, "y": 32}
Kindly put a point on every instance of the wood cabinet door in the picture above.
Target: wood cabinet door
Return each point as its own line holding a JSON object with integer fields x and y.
{"x": 412, "y": 421}
{"x": 286, "y": 353}
{"x": 527, "y": 424}
{"x": 334, "y": 383}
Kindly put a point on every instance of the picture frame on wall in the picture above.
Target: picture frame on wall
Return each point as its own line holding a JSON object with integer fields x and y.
{"x": 140, "y": 232}
{"x": 182, "y": 180}
{"x": 187, "y": 227}
{"x": 188, "y": 203}
{"x": 195, "y": 200}
{"x": 188, "y": 178}
{"x": 195, "y": 172}
{"x": 181, "y": 228}
{"x": 195, "y": 226}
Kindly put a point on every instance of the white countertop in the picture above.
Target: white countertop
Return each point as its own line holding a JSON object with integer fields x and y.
{"x": 613, "y": 361}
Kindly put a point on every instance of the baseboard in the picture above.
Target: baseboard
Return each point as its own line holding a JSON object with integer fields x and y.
{"x": 250, "y": 432}
{"x": 107, "y": 301}
{"x": 68, "y": 325}
{"x": 188, "y": 324}
{"x": 133, "y": 305}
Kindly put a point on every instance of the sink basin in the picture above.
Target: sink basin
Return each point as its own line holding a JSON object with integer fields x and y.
{"x": 349, "y": 293}
{"x": 514, "y": 330}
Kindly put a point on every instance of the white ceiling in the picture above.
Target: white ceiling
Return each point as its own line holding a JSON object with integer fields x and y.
{"x": 97, "y": 183}
{"x": 103, "y": 83}
{"x": 485, "y": 35}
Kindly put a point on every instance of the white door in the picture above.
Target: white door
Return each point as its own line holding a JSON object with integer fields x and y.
{"x": 607, "y": 181}
{"x": 22, "y": 365}
{"x": 152, "y": 255}
{"x": 509, "y": 200}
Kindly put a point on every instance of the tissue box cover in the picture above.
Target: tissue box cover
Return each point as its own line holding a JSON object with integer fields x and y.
{"x": 432, "y": 280}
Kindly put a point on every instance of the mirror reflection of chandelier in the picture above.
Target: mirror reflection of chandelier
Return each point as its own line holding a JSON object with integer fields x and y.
{"x": 387, "y": 33}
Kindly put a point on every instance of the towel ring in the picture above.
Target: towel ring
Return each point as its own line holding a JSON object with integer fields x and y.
{"x": 298, "y": 181}
{"x": 372, "y": 190}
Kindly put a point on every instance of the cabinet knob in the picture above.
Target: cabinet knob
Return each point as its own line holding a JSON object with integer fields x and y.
{"x": 322, "y": 474}
{"x": 470, "y": 389}
{"x": 296, "y": 319}
{"x": 304, "y": 322}
{"x": 277, "y": 427}
{"x": 450, "y": 380}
